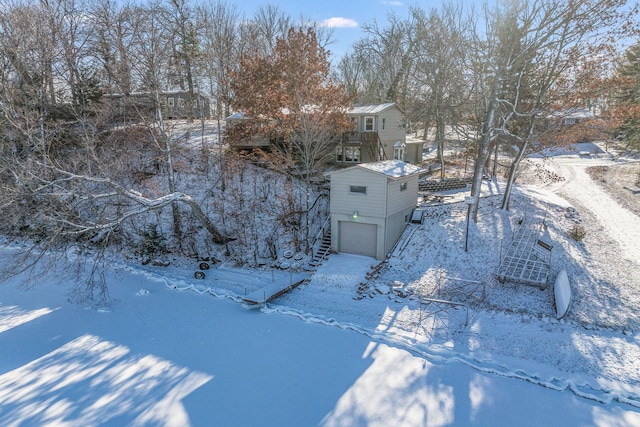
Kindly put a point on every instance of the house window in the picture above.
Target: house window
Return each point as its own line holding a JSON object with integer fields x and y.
{"x": 170, "y": 101}
{"x": 369, "y": 124}
{"x": 195, "y": 104}
{"x": 339, "y": 155}
{"x": 403, "y": 186}
{"x": 359, "y": 189}
{"x": 181, "y": 102}
{"x": 383, "y": 123}
{"x": 352, "y": 154}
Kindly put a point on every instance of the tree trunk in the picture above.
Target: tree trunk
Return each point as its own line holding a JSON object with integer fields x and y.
{"x": 484, "y": 149}
{"x": 494, "y": 170}
{"x": 218, "y": 237}
{"x": 175, "y": 210}
{"x": 307, "y": 207}
{"x": 440, "y": 132}
{"x": 512, "y": 176}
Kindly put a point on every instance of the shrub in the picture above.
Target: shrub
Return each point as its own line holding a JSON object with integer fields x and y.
{"x": 577, "y": 232}
{"x": 151, "y": 243}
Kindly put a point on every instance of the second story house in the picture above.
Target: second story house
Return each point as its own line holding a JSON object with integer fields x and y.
{"x": 379, "y": 133}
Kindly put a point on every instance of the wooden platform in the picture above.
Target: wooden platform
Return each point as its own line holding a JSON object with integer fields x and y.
{"x": 263, "y": 295}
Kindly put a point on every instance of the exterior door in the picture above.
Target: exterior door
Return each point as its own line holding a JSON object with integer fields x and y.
{"x": 358, "y": 238}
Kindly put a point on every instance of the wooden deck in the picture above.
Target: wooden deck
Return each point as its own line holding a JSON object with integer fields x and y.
{"x": 263, "y": 295}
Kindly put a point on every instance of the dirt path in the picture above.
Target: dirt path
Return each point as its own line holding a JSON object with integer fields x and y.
{"x": 608, "y": 285}
{"x": 618, "y": 222}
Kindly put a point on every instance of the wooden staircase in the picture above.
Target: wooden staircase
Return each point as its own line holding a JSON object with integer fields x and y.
{"x": 323, "y": 250}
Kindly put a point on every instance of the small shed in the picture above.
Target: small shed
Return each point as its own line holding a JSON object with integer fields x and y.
{"x": 371, "y": 203}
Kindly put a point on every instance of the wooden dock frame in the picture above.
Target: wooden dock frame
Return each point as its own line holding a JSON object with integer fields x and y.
{"x": 260, "y": 297}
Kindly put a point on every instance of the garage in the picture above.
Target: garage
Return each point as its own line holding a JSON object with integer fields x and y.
{"x": 358, "y": 238}
{"x": 371, "y": 204}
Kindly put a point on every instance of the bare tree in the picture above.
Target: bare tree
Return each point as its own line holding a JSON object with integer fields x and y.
{"x": 440, "y": 58}
{"x": 152, "y": 58}
{"x": 522, "y": 52}
{"x": 185, "y": 47}
{"x": 386, "y": 59}
{"x": 27, "y": 94}
{"x": 112, "y": 43}
{"x": 220, "y": 50}
{"x": 268, "y": 24}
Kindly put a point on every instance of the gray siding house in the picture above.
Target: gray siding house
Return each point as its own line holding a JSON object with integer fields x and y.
{"x": 371, "y": 203}
{"x": 173, "y": 104}
{"x": 379, "y": 134}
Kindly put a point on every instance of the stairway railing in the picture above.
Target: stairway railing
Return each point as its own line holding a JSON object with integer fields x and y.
{"x": 323, "y": 231}
{"x": 381, "y": 153}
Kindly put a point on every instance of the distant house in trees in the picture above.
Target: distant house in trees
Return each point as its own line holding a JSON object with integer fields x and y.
{"x": 371, "y": 205}
{"x": 173, "y": 104}
{"x": 379, "y": 134}
{"x": 576, "y": 125}
{"x": 570, "y": 116}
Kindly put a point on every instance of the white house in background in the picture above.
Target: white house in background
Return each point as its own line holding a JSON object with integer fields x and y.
{"x": 576, "y": 115}
{"x": 371, "y": 203}
{"x": 571, "y": 116}
{"x": 379, "y": 134}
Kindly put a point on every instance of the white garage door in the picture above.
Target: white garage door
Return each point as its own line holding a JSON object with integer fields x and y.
{"x": 358, "y": 238}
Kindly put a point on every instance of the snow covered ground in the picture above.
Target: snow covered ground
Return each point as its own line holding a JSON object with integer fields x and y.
{"x": 362, "y": 344}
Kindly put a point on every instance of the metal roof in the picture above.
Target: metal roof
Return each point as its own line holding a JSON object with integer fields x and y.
{"x": 371, "y": 109}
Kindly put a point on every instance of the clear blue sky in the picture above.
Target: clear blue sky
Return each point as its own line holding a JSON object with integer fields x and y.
{"x": 345, "y": 16}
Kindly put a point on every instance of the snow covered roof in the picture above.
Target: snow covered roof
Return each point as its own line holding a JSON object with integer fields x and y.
{"x": 578, "y": 113}
{"x": 573, "y": 113}
{"x": 392, "y": 168}
{"x": 305, "y": 109}
{"x": 371, "y": 109}
{"x": 147, "y": 93}
{"x": 238, "y": 116}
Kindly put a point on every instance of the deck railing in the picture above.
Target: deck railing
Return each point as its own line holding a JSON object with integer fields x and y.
{"x": 356, "y": 136}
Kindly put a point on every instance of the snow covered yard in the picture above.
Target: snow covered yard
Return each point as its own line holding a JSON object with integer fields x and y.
{"x": 358, "y": 345}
